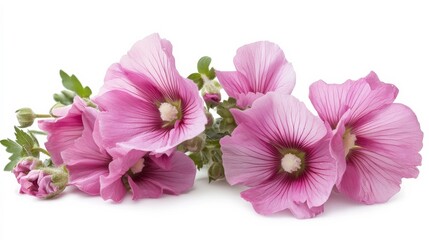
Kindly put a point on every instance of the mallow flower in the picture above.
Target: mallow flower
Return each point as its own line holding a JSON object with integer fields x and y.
{"x": 376, "y": 141}
{"x": 146, "y": 104}
{"x": 261, "y": 68}
{"x": 111, "y": 172}
{"x": 281, "y": 151}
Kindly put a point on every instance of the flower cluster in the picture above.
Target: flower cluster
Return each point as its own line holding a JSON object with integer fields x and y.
{"x": 149, "y": 129}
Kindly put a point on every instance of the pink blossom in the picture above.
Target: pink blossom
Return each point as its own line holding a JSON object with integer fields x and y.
{"x": 261, "y": 68}
{"x": 281, "y": 151}
{"x": 147, "y": 105}
{"x": 376, "y": 141}
{"x": 64, "y": 130}
{"x": 97, "y": 170}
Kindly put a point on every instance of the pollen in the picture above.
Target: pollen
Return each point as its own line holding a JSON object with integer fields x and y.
{"x": 291, "y": 163}
{"x": 169, "y": 112}
{"x": 349, "y": 141}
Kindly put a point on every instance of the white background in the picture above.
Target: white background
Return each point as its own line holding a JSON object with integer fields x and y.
{"x": 333, "y": 40}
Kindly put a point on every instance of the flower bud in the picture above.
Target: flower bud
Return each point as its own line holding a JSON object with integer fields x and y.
{"x": 210, "y": 119}
{"x": 212, "y": 99}
{"x": 216, "y": 172}
{"x": 44, "y": 182}
{"x": 25, "y": 166}
{"x": 211, "y": 92}
{"x": 195, "y": 144}
{"x": 25, "y": 117}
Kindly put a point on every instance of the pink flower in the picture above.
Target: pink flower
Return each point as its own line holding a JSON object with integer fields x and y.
{"x": 281, "y": 151}
{"x": 64, "y": 130}
{"x": 148, "y": 105}
{"x": 261, "y": 68}
{"x": 376, "y": 141}
{"x": 97, "y": 170}
{"x": 25, "y": 166}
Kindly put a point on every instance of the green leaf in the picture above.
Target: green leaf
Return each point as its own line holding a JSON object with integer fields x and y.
{"x": 15, "y": 149}
{"x": 197, "y": 158}
{"x": 87, "y": 92}
{"x": 11, "y": 165}
{"x": 27, "y": 142}
{"x": 203, "y": 65}
{"x": 211, "y": 74}
{"x": 12, "y": 147}
{"x": 73, "y": 84}
{"x": 196, "y": 78}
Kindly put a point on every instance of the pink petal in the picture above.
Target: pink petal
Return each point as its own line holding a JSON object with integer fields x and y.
{"x": 112, "y": 188}
{"x": 301, "y": 210}
{"x": 280, "y": 118}
{"x": 153, "y": 58}
{"x": 265, "y": 67}
{"x": 153, "y": 180}
{"x": 261, "y": 68}
{"x": 63, "y": 131}
{"x": 389, "y": 144}
{"x": 145, "y": 189}
{"x": 234, "y": 83}
{"x": 85, "y": 160}
{"x": 390, "y": 132}
{"x": 119, "y": 123}
{"x": 337, "y": 148}
{"x": 329, "y": 100}
{"x": 250, "y": 163}
{"x": 245, "y": 100}
{"x": 362, "y": 97}
{"x": 117, "y": 79}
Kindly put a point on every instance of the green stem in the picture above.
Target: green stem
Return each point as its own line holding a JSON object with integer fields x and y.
{"x": 38, "y": 132}
{"x": 42, "y": 151}
{"x": 43, "y": 115}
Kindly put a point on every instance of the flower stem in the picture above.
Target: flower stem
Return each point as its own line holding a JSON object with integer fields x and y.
{"x": 43, "y": 115}
{"x": 42, "y": 151}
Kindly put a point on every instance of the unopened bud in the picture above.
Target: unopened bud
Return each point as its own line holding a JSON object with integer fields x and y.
{"x": 25, "y": 117}
{"x": 195, "y": 144}
{"x": 216, "y": 172}
{"x": 212, "y": 99}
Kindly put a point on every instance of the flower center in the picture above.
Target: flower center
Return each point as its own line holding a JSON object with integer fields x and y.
{"x": 168, "y": 111}
{"x": 138, "y": 166}
{"x": 291, "y": 163}
{"x": 349, "y": 141}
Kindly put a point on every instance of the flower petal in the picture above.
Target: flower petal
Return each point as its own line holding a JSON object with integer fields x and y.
{"x": 283, "y": 120}
{"x": 85, "y": 160}
{"x": 265, "y": 67}
{"x": 112, "y": 188}
{"x": 395, "y": 132}
{"x": 127, "y": 117}
{"x": 234, "y": 83}
{"x": 250, "y": 163}
{"x": 153, "y": 180}
{"x": 389, "y": 144}
{"x": 362, "y": 97}
{"x": 153, "y": 58}
{"x": 63, "y": 131}
{"x": 329, "y": 100}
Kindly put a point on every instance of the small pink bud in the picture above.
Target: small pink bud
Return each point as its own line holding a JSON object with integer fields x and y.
{"x": 25, "y": 166}
{"x": 212, "y": 99}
